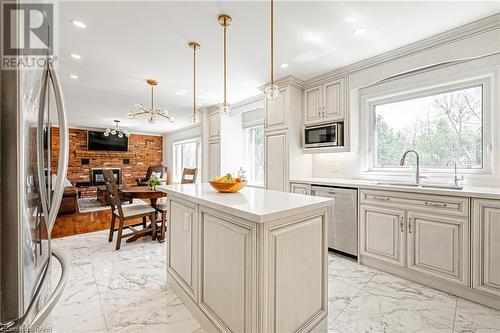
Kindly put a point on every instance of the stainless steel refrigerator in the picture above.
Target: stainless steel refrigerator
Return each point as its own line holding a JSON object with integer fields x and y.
{"x": 32, "y": 185}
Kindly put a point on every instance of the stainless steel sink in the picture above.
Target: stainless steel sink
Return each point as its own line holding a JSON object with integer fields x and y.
{"x": 436, "y": 186}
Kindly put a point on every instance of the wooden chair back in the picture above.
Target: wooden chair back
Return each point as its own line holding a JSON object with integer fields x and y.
{"x": 189, "y": 175}
{"x": 112, "y": 188}
{"x": 156, "y": 169}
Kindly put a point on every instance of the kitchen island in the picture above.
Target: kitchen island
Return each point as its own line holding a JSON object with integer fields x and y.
{"x": 252, "y": 261}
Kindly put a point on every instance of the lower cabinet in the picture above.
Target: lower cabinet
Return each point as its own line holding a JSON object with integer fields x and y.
{"x": 182, "y": 262}
{"x": 439, "y": 246}
{"x": 383, "y": 234}
{"x": 300, "y": 188}
{"x": 486, "y": 246}
{"x": 417, "y": 239}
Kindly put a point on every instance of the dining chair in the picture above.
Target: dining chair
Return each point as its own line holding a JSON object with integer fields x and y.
{"x": 189, "y": 175}
{"x": 162, "y": 208}
{"x": 123, "y": 213}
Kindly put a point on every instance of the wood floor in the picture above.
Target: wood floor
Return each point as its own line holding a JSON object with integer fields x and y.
{"x": 81, "y": 223}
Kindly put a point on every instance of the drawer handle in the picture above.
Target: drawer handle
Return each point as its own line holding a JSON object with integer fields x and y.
{"x": 409, "y": 225}
{"x": 381, "y": 198}
{"x": 433, "y": 204}
{"x": 402, "y": 224}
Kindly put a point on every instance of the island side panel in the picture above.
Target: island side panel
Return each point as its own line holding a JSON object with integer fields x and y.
{"x": 295, "y": 266}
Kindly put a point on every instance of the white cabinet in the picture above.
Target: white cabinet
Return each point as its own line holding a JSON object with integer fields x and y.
{"x": 182, "y": 263}
{"x": 277, "y": 112}
{"x": 214, "y": 126}
{"x": 313, "y": 105}
{"x": 334, "y": 100}
{"x": 420, "y": 233}
{"x": 276, "y": 157}
{"x": 325, "y": 103}
{"x": 383, "y": 234}
{"x": 439, "y": 246}
{"x": 213, "y": 159}
{"x": 300, "y": 188}
{"x": 486, "y": 246}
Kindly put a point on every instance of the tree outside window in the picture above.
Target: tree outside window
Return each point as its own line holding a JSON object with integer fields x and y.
{"x": 442, "y": 128}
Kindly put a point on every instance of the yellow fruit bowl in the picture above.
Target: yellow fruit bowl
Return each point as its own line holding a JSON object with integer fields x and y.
{"x": 228, "y": 187}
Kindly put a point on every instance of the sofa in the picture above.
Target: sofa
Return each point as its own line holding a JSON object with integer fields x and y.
{"x": 69, "y": 200}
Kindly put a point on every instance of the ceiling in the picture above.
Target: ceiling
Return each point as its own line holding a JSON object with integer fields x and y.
{"x": 126, "y": 42}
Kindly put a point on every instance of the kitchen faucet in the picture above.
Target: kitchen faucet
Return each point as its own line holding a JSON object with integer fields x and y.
{"x": 456, "y": 179}
{"x": 402, "y": 162}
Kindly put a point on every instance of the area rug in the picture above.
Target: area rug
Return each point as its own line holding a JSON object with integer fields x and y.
{"x": 86, "y": 205}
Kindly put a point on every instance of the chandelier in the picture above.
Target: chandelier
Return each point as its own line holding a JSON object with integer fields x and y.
{"x": 117, "y": 130}
{"x": 225, "y": 21}
{"x": 272, "y": 91}
{"x": 151, "y": 112}
{"x": 195, "y": 46}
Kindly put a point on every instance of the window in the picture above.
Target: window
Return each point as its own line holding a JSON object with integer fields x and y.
{"x": 443, "y": 126}
{"x": 254, "y": 155}
{"x": 187, "y": 154}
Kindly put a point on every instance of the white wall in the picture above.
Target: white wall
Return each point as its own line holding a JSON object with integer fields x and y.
{"x": 351, "y": 164}
{"x": 183, "y": 134}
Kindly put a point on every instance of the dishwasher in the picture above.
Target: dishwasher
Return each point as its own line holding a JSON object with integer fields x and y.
{"x": 342, "y": 218}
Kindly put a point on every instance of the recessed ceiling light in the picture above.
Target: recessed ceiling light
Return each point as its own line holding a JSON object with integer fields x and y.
{"x": 360, "y": 31}
{"x": 73, "y": 76}
{"x": 284, "y": 65}
{"x": 79, "y": 24}
{"x": 75, "y": 56}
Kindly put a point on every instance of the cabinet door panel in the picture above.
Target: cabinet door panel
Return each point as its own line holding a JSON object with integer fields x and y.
{"x": 226, "y": 276}
{"x": 438, "y": 246}
{"x": 214, "y": 160}
{"x": 276, "y": 151}
{"x": 276, "y": 112}
{"x": 383, "y": 234}
{"x": 334, "y": 100}
{"x": 214, "y": 125}
{"x": 300, "y": 189}
{"x": 181, "y": 262}
{"x": 313, "y": 104}
{"x": 486, "y": 246}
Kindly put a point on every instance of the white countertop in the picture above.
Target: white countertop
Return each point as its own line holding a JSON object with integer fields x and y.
{"x": 485, "y": 192}
{"x": 255, "y": 204}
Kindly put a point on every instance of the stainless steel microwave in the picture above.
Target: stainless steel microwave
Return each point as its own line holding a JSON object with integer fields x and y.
{"x": 329, "y": 135}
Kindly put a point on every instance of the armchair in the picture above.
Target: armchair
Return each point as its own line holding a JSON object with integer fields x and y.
{"x": 158, "y": 170}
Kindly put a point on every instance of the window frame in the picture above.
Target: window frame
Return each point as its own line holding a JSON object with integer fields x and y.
{"x": 385, "y": 96}
{"x": 177, "y": 174}
{"x": 247, "y": 131}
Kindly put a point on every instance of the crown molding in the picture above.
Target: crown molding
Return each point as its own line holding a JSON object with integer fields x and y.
{"x": 465, "y": 31}
{"x": 289, "y": 80}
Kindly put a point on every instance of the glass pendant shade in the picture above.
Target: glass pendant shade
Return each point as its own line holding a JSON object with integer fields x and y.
{"x": 225, "y": 108}
{"x": 272, "y": 92}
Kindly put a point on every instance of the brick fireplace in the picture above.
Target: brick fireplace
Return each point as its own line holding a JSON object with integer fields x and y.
{"x": 97, "y": 176}
{"x": 144, "y": 151}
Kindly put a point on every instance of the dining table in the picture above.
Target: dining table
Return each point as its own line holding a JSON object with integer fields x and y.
{"x": 144, "y": 193}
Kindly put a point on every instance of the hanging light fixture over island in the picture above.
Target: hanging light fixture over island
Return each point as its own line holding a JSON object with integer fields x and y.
{"x": 225, "y": 21}
{"x": 151, "y": 112}
{"x": 195, "y": 46}
{"x": 272, "y": 90}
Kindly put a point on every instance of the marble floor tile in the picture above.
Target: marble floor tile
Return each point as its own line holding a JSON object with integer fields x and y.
{"x": 476, "y": 318}
{"x": 127, "y": 291}
{"x": 340, "y": 294}
{"x": 349, "y": 271}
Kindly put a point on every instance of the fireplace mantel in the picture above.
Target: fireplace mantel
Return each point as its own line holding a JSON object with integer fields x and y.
{"x": 96, "y": 153}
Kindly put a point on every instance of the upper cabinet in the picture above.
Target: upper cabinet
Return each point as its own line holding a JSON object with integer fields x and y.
{"x": 325, "y": 103}
{"x": 276, "y": 117}
{"x": 214, "y": 126}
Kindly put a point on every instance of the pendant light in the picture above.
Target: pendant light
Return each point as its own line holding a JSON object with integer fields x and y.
{"x": 195, "y": 46}
{"x": 272, "y": 90}
{"x": 225, "y": 21}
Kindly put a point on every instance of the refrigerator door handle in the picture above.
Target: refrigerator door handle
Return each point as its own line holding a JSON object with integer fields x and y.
{"x": 62, "y": 167}
{"x": 42, "y": 177}
{"x": 56, "y": 294}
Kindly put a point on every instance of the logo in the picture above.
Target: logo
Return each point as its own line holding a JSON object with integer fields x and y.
{"x": 27, "y": 34}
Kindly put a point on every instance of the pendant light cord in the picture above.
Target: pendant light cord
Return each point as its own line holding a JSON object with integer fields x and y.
{"x": 194, "y": 82}
{"x": 272, "y": 42}
{"x": 225, "y": 61}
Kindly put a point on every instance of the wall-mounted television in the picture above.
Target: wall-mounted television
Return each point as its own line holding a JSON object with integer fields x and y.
{"x": 98, "y": 141}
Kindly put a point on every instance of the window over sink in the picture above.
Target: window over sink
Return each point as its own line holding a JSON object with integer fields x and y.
{"x": 445, "y": 124}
